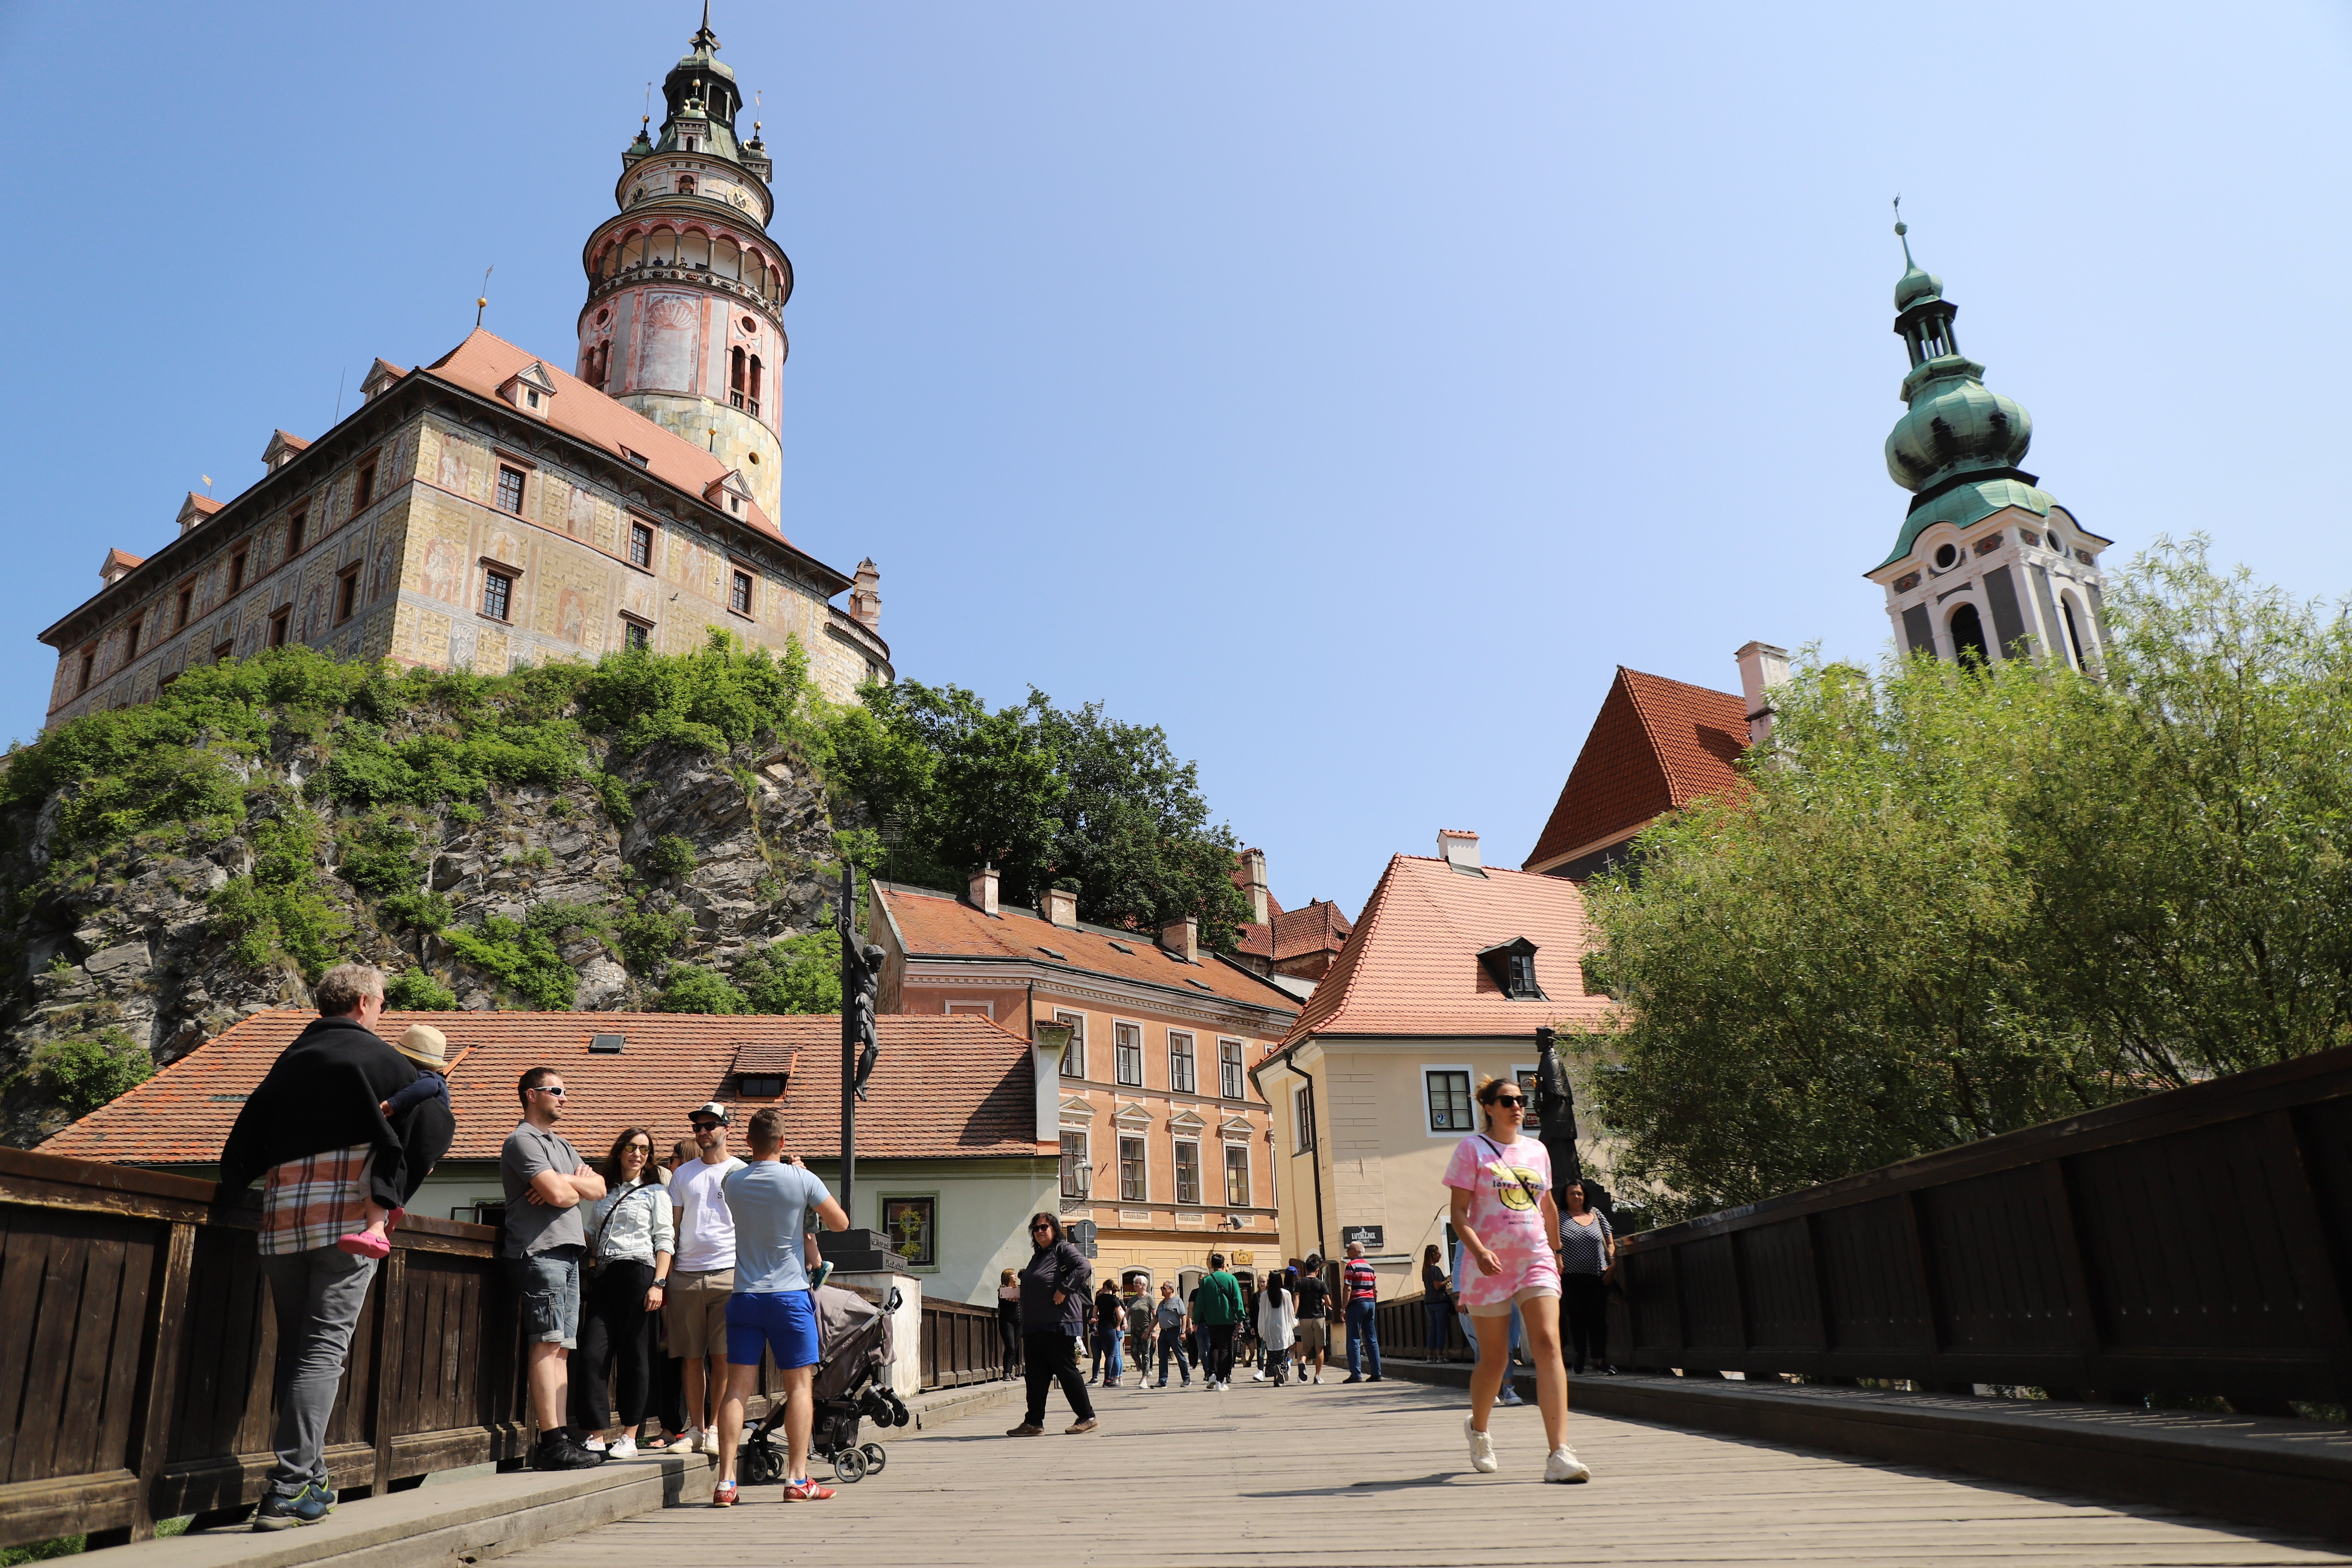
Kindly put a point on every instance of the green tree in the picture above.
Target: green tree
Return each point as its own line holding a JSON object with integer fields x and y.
{"x": 798, "y": 974}
{"x": 92, "y": 1069}
{"x": 698, "y": 990}
{"x": 1968, "y": 899}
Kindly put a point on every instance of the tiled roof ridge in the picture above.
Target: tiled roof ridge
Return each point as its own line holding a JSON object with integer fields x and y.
{"x": 1681, "y": 789}
{"x": 1340, "y": 978}
{"x": 707, "y": 467}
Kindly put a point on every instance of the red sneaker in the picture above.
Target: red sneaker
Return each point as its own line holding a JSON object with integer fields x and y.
{"x": 724, "y": 1495}
{"x": 807, "y": 1491}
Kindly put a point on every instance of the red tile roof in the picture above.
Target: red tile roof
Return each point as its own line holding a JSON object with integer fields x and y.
{"x": 122, "y": 558}
{"x": 485, "y": 361}
{"x": 1656, "y": 746}
{"x": 1411, "y": 966}
{"x": 940, "y": 925}
{"x": 1292, "y": 933}
{"x": 202, "y": 503}
{"x": 942, "y": 1086}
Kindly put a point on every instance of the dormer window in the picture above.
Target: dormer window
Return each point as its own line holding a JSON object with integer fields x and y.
{"x": 685, "y": 182}
{"x": 1511, "y": 965}
{"x": 531, "y": 389}
{"x": 758, "y": 1086}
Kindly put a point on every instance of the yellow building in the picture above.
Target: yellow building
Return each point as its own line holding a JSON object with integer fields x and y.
{"x": 1450, "y": 969}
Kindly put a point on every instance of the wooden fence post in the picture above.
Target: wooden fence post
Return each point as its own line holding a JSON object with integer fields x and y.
{"x": 161, "y": 1371}
{"x": 391, "y": 1327}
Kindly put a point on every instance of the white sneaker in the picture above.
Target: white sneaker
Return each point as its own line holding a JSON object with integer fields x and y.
{"x": 1564, "y": 1466}
{"x": 595, "y": 1445}
{"x": 1319, "y": 1377}
{"x": 1482, "y": 1449}
{"x": 624, "y": 1446}
{"x": 710, "y": 1444}
{"x": 687, "y": 1442}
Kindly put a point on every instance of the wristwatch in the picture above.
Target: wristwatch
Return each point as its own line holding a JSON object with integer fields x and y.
{"x": 661, "y": 1282}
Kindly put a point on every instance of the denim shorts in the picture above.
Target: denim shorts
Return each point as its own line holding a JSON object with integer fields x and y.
{"x": 781, "y": 1321}
{"x": 549, "y": 1284}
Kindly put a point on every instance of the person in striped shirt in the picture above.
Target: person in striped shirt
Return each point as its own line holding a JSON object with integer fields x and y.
{"x": 1361, "y": 1287}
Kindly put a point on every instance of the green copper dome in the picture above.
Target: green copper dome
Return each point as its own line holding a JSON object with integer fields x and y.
{"x": 1958, "y": 444}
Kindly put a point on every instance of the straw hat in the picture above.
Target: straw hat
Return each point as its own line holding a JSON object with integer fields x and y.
{"x": 426, "y": 1045}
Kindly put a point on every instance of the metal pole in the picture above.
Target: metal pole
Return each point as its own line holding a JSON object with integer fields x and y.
{"x": 847, "y": 923}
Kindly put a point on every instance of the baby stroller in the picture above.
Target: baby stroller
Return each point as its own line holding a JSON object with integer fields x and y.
{"x": 854, "y": 1346}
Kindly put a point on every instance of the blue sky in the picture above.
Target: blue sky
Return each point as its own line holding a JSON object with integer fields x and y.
{"x": 1348, "y": 388}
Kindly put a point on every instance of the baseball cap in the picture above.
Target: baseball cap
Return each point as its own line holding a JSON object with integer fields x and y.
{"x": 711, "y": 1108}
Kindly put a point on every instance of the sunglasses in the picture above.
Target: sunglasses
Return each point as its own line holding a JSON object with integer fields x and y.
{"x": 1036, "y": 1230}
{"x": 543, "y": 1089}
{"x": 705, "y": 1126}
{"x": 1510, "y": 1101}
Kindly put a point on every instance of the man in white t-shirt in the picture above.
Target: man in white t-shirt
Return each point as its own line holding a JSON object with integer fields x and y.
{"x": 702, "y": 1276}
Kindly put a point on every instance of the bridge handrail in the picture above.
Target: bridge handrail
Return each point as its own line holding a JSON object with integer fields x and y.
{"x": 2190, "y": 1242}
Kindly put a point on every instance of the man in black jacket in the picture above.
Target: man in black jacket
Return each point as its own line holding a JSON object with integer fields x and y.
{"x": 316, "y": 1131}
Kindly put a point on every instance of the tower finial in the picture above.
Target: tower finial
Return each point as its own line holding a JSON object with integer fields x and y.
{"x": 704, "y": 38}
{"x": 1902, "y": 229}
{"x": 483, "y": 304}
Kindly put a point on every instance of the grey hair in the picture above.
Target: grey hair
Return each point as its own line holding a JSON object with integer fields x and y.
{"x": 342, "y": 988}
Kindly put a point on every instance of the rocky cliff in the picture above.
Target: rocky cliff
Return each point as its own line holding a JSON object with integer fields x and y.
{"x": 646, "y": 831}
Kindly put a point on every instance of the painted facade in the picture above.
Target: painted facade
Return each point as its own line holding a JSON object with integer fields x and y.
{"x": 1165, "y": 1142}
{"x": 490, "y": 511}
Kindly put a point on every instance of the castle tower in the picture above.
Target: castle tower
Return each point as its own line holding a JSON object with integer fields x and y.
{"x": 1987, "y": 565}
{"x": 684, "y": 320}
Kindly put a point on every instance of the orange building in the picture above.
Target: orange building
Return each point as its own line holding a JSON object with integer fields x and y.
{"x": 1165, "y": 1142}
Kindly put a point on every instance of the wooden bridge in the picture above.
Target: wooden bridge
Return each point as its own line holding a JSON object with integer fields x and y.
{"x": 134, "y": 1381}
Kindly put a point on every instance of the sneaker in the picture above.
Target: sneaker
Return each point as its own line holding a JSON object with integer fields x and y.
{"x": 1258, "y": 1376}
{"x": 595, "y": 1445}
{"x": 1027, "y": 1429}
{"x": 559, "y": 1452}
{"x": 308, "y": 1506}
{"x": 1075, "y": 1428}
{"x": 818, "y": 1276}
{"x": 1510, "y": 1396}
{"x": 723, "y": 1495}
{"x": 1375, "y": 1378}
{"x": 709, "y": 1442}
{"x": 1319, "y": 1380}
{"x": 806, "y": 1491}
{"x": 1482, "y": 1449}
{"x": 1352, "y": 1377}
{"x": 1564, "y": 1466}
{"x": 624, "y": 1447}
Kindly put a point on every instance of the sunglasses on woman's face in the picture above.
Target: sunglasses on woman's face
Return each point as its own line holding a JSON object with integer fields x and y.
{"x": 1509, "y": 1102}
{"x": 1041, "y": 1230}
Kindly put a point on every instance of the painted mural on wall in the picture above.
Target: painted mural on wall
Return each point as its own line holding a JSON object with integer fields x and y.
{"x": 445, "y": 571}
{"x": 668, "y": 345}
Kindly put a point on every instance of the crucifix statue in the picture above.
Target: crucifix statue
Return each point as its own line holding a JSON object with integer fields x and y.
{"x": 1556, "y": 1106}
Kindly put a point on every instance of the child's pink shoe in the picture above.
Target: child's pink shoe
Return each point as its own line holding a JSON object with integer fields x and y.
{"x": 359, "y": 1243}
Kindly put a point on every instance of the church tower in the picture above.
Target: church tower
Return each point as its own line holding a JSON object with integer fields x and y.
{"x": 1987, "y": 565}
{"x": 684, "y": 318}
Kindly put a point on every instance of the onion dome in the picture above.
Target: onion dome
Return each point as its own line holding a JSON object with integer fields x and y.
{"x": 1958, "y": 444}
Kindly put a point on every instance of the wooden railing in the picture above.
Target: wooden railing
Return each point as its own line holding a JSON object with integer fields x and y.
{"x": 1403, "y": 1328}
{"x": 2193, "y": 1242}
{"x": 960, "y": 1344}
{"x": 137, "y": 1355}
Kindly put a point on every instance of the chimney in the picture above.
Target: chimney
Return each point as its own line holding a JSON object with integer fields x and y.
{"x": 1182, "y": 938}
{"x": 1762, "y": 667}
{"x": 1048, "y": 1040}
{"x": 865, "y": 596}
{"x": 983, "y": 889}
{"x": 1458, "y": 848}
{"x": 1254, "y": 869}
{"x": 1060, "y": 907}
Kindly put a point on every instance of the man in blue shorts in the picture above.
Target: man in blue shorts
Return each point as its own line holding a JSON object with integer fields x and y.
{"x": 773, "y": 1307}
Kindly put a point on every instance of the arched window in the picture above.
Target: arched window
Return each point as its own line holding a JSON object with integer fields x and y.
{"x": 610, "y": 262}
{"x": 751, "y": 390}
{"x": 661, "y": 247}
{"x": 632, "y": 252}
{"x": 726, "y": 259}
{"x": 685, "y": 185}
{"x": 2073, "y": 632}
{"x": 753, "y": 271}
{"x": 1968, "y": 643}
{"x": 735, "y": 377}
{"x": 694, "y": 249}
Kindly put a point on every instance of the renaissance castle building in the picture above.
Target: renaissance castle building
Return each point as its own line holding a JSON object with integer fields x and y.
{"x": 1987, "y": 565}
{"x": 490, "y": 510}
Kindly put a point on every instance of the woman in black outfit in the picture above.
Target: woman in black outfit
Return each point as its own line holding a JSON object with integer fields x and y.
{"x": 1436, "y": 1301}
{"x": 1586, "y": 1248}
{"x": 1053, "y": 1316}
{"x": 1008, "y": 1322}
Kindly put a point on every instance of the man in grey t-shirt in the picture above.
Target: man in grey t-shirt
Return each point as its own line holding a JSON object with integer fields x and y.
{"x": 546, "y": 1180}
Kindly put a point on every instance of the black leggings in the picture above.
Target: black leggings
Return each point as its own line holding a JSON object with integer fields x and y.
{"x": 1008, "y": 1329}
{"x": 1220, "y": 1362}
{"x": 1047, "y": 1358}
{"x": 1585, "y": 1298}
{"x": 612, "y": 1328}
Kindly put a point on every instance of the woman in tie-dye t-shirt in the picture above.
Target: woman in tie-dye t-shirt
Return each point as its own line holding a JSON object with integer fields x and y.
{"x": 1500, "y": 1192}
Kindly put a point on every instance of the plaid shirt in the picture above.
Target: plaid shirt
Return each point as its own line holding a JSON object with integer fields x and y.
{"x": 309, "y": 1202}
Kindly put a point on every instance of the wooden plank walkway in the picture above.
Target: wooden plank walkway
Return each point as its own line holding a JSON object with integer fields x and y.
{"x": 1377, "y": 1475}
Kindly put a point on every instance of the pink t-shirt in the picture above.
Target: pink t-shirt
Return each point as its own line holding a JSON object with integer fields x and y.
{"x": 1507, "y": 1182}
